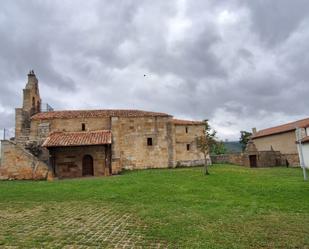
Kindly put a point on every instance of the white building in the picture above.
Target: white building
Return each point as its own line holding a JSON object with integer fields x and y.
{"x": 304, "y": 146}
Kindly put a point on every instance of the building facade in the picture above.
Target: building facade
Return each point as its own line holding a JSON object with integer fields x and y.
{"x": 283, "y": 139}
{"x": 95, "y": 142}
{"x": 275, "y": 146}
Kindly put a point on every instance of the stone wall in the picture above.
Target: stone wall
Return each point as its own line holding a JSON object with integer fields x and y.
{"x": 264, "y": 159}
{"x": 187, "y": 153}
{"x": 38, "y": 127}
{"x": 17, "y": 163}
{"x": 130, "y": 148}
{"x": 68, "y": 160}
{"x": 235, "y": 158}
{"x": 290, "y": 160}
{"x": 283, "y": 142}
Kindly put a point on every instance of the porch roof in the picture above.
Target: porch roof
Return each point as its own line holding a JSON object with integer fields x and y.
{"x": 65, "y": 139}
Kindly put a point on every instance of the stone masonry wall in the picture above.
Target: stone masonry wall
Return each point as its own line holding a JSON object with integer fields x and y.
{"x": 130, "y": 149}
{"x": 69, "y": 125}
{"x": 185, "y": 135}
{"x": 17, "y": 163}
{"x": 284, "y": 142}
{"x": 291, "y": 160}
{"x": 264, "y": 159}
{"x": 68, "y": 160}
{"x": 236, "y": 158}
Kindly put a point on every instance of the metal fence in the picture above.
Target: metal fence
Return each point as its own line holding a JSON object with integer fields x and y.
{"x": 45, "y": 107}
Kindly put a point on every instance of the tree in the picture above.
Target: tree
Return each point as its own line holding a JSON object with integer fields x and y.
{"x": 218, "y": 148}
{"x": 208, "y": 143}
{"x": 244, "y": 139}
{"x": 203, "y": 145}
{"x": 215, "y": 147}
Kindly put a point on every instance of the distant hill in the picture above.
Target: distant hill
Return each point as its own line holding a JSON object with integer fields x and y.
{"x": 232, "y": 146}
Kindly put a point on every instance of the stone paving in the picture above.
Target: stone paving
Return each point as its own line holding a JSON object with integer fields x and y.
{"x": 72, "y": 225}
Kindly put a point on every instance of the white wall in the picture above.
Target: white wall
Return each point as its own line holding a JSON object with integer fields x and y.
{"x": 306, "y": 154}
{"x": 1, "y": 137}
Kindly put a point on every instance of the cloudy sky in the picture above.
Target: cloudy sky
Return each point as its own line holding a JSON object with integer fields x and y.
{"x": 240, "y": 64}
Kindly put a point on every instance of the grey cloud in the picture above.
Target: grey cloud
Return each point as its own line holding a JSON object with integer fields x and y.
{"x": 274, "y": 20}
{"x": 6, "y": 120}
{"x": 93, "y": 54}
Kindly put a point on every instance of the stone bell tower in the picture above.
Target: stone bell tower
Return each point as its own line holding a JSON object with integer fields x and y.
{"x": 32, "y": 100}
{"x": 31, "y": 106}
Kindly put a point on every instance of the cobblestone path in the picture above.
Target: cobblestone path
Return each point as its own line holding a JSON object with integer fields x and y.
{"x": 72, "y": 225}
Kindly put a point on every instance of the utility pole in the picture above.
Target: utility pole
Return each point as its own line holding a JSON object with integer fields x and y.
{"x": 300, "y": 152}
{"x": 3, "y": 133}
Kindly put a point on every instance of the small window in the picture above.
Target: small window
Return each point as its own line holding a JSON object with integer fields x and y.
{"x": 186, "y": 129}
{"x": 149, "y": 141}
{"x": 188, "y": 147}
{"x": 83, "y": 127}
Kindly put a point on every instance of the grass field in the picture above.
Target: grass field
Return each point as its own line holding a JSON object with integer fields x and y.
{"x": 234, "y": 207}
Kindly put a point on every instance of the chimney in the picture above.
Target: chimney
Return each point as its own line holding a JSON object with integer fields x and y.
{"x": 253, "y": 130}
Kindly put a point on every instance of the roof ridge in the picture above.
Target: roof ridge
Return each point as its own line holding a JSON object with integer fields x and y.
{"x": 302, "y": 123}
{"x": 289, "y": 123}
{"x": 97, "y": 113}
{"x": 185, "y": 121}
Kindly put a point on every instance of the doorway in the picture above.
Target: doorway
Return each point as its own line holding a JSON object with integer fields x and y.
{"x": 87, "y": 165}
{"x": 253, "y": 161}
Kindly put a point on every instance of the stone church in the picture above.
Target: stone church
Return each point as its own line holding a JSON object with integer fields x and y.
{"x": 76, "y": 143}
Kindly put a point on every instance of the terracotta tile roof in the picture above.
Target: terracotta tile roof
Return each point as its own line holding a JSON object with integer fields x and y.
{"x": 95, "y": 114}
{"x": 187, "y": 122}
{"x": 282, "y": 128}
{"x": 62, "y": 139}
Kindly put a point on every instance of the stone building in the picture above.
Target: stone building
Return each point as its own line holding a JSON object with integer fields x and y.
{"x": 282, "y": 138}
{"x": 275, "y": 146}
{"x": 251, "y": 157}
{"x": 94, "y": 142}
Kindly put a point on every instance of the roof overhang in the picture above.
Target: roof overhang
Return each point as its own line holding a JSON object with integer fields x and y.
{"x": 71, "y": 139}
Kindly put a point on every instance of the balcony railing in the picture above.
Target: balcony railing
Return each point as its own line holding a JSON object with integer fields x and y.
{"x": 46, "y": 107}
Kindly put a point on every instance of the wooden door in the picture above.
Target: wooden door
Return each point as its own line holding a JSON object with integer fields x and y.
{"x": 253, "y": 162}
{"x": 87, "y": 165}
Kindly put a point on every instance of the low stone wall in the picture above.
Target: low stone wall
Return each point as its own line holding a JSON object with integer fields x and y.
{"x": 235, "y": 158}
{"x": 290, "y": 160}
{"x": 19, "y": 164}
{"x": 190, "y": 163}
{"x": 264, "y": 159}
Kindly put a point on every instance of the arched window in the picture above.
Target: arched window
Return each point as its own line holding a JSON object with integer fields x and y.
{"x": 33, "y": 102}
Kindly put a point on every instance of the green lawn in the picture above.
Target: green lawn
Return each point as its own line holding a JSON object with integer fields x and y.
{"x": 234, "y": 207}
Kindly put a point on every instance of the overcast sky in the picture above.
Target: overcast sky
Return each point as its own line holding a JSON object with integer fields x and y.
{"x": 240, "y": 64}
